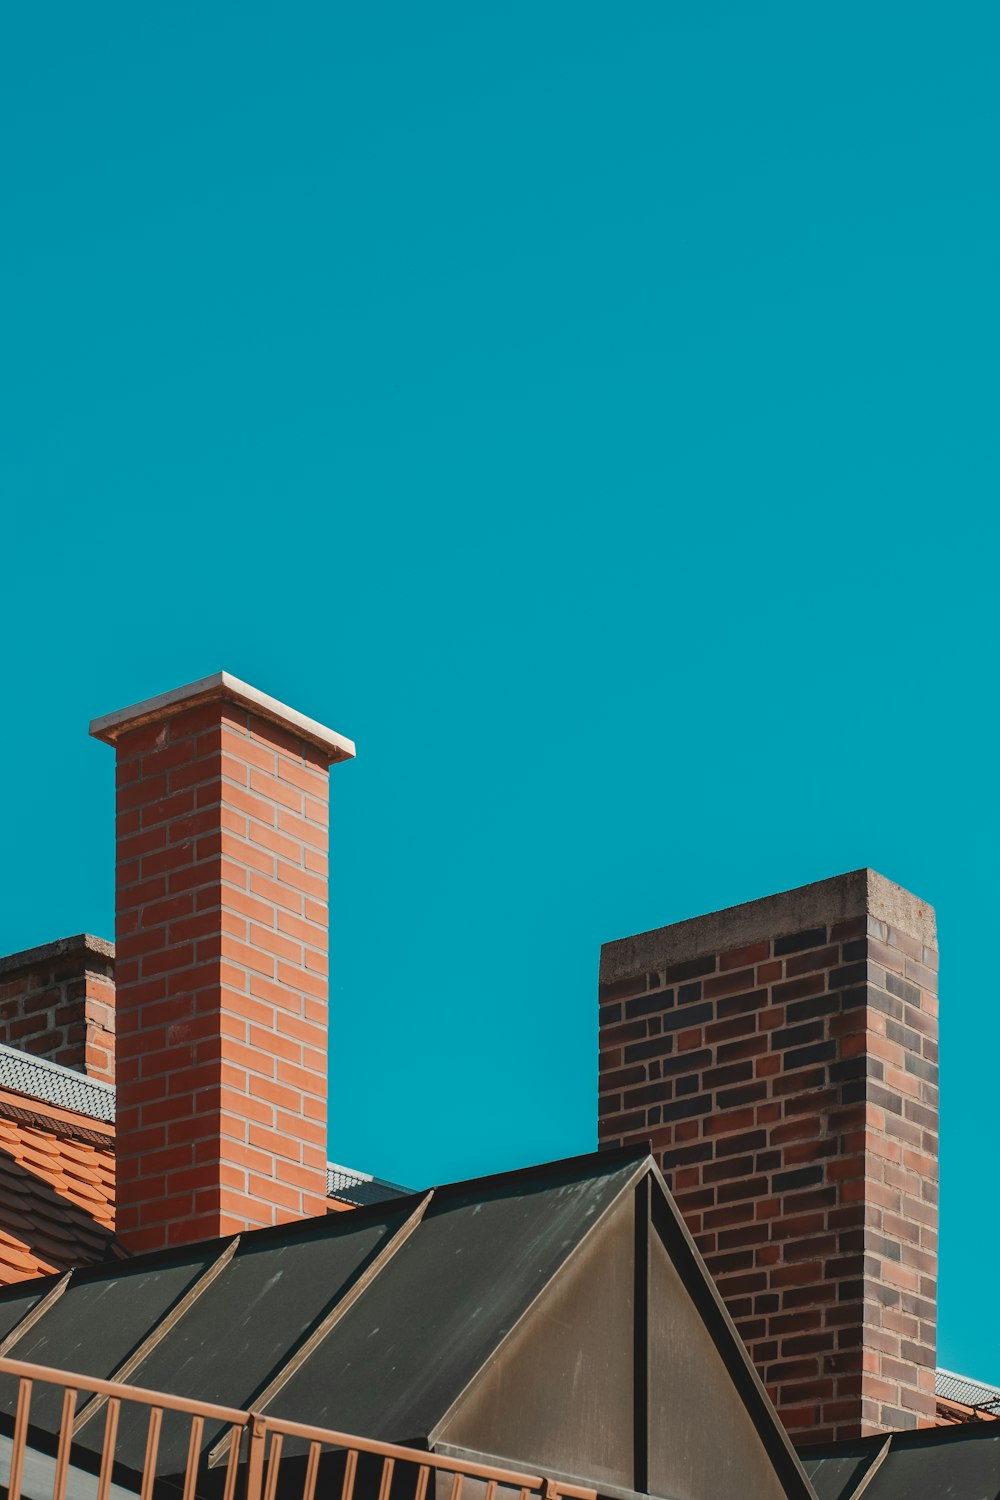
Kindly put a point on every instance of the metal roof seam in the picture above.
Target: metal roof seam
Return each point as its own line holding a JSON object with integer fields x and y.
{"x": 160, "y": 1329}
{"x": 872, "y": 1470}
{"x": 342, "y": 1305}
{"x": 35, "y": 1313}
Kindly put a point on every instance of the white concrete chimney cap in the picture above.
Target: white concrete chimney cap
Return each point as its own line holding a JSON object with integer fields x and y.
{"x": 221, "y": 686}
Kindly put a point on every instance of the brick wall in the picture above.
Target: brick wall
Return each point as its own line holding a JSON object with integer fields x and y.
{"x": 58, "y": 1002}
{"x": 221, "y": 937}
{"x": 782, "y": 1059}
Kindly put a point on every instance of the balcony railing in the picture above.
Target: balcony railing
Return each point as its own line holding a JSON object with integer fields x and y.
{"x": 253, "y": 1445}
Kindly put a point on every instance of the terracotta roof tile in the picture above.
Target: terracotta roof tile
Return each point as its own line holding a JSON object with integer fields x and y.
{"x": 955, "y": 1413}
{"x": 56, "y": 1188}
{"x": 17, "y": 1262}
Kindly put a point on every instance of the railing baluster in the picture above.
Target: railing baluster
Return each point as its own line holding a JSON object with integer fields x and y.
{"x": 312, "y": 1469}
{"x": 260, "y": 1453}
{"x": 233, "y": 1466}
{"x": 65, "y": 1439}
{"x": 110, "y": 1441}
{"x": 388, "y": 1464}
{"x": 273, "y": 1462}
{"x": 350, "y": 1470}
{"x": 423, "y": 1474}
{"x": 194, "y": 1452}
{"x": 152, "y": 1446}
{"x": 20, "y": 1436}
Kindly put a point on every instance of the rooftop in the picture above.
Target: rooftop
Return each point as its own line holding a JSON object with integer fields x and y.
{"x": 466, "y": 1307}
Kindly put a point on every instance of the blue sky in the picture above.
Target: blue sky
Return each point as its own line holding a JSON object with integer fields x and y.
{"x": 592, "y": 411}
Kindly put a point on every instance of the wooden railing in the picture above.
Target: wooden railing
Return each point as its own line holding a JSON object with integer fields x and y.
{"x": 255, "y": 1442}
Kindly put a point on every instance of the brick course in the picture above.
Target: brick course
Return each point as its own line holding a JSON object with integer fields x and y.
{"x": 58, "y": 1002}
{"x": 221, "y": 938}
{"x": 789, "y": 1087}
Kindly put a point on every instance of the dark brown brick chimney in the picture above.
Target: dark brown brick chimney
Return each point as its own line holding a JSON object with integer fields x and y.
{"x": 58, "y": 1001}
{"x": 782, "y": 1058}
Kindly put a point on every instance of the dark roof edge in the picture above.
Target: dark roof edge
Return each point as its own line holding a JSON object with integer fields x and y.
{"x": 617, "y": 1157}
{"x": 84, "y": 943}
{"x": 909, "y": 1437}
{"x": 857, "y": 893}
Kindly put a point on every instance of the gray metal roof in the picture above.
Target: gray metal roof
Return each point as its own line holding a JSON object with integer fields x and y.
{"x": 961, "y": 1388}
{"x": 38, "y": 1478}
{"x": 349, "y": 1186}
{"x": 38, "y": 1078}
{"x": 931, "y": 1463}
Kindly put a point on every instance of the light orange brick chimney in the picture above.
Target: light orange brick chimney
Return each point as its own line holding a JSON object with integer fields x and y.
{"x": 221, "y": 969}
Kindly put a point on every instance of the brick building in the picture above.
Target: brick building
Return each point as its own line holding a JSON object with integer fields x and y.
{"x": 780, "y": 1058}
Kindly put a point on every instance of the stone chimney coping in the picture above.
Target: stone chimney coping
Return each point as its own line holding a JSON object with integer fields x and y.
{"x": 223, "y": 687}
{"x": 858, "y": 893}
{"x": 83, "y": 943}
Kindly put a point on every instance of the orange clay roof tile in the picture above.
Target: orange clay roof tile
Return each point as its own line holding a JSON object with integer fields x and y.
{"x": 56, "y": 1188}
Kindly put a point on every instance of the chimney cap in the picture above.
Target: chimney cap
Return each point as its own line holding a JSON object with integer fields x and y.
{"x": 857, "y": 893}
{"x": 222, "y": 687}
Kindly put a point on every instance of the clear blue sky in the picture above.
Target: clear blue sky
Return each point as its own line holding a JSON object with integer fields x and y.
{"x": 592, "y": 410}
